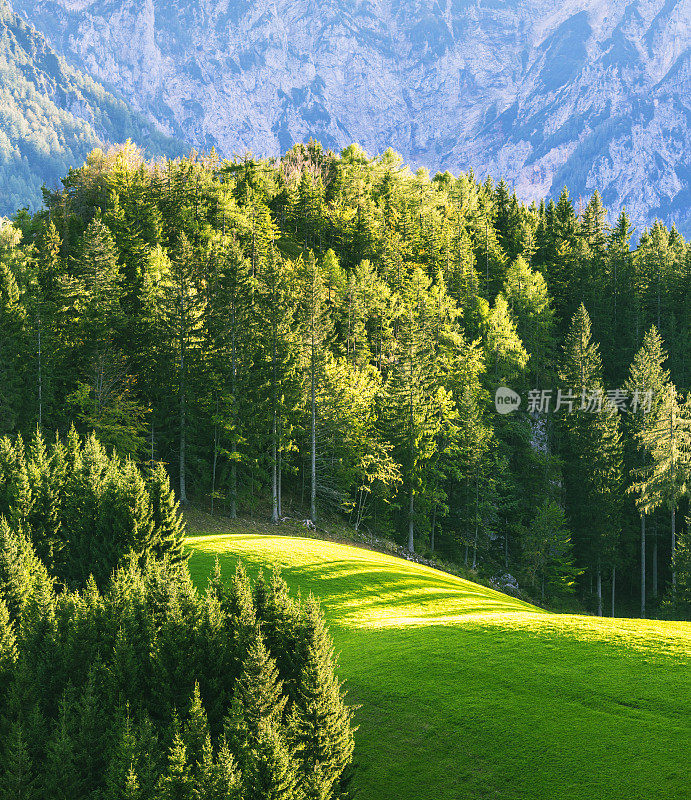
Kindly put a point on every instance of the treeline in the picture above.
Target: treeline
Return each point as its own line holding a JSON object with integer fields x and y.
{"x": 331, "y": 331}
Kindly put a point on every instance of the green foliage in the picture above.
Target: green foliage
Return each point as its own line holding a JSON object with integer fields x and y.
{"x": 547, "y": 552}
{"x": 108, "y": 673}
{"x": 84, "y": 511}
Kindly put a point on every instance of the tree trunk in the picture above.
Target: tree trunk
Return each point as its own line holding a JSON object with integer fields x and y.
{"x": 614, "y": 581}
{"x": 280, "y": 489}
{"x": 40, "y": 380}
{"x": 183, "y": 443}
{"x": 411, "y": 524}
{"x": 213, "y": 469}
{"x": 434, "y": 525}
{"x": 655, "y": 560}
{"x": 274, "y": 439}
{"x": 674, "y": 544}
{"x": 477, "y": 522}
{"x": 313, "y": 453}
{"x": 233, "y": 511}
{"x": 599, "y": 588}
{"x": 643, "y": 566}
{"x": 274, "y": 471}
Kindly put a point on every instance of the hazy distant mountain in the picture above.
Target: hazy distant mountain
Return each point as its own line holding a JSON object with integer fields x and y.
{"x": 51, "y": 116}
{"x": 593, "y": 94}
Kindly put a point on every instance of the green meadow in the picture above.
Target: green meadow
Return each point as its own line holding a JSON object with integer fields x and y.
{"x": 465, "y": 692}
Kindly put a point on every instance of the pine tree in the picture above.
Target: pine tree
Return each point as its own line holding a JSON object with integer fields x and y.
{"x": 593, "y": 451}
{"x": 321, "y": 724}
{"x": 530, "y": 306}
{"x": 185, "y": 308}
{"x": 131, "y": 789}
{"x": 271, "y": 771}
{"x": 121, "y": 771}
{"x": 217, "y": 779}
{"x": 196, "y": 730}
{"x": 547, "y": 555}
{"x": 17, "y": 776}
{"x": 258, "y": 696}
{"x": 176, "y": 783}
{"x": 679, "y": 599}
{"x": 647, "y": 379}
{"x": 315, "y": 325}
{"x": 274, "y": 362}
{"x": 8, "y": 649}
{"x": 62, "y": 781}
{"x": 417, "y": 402}
{"x": 231, "y": 315}
{"x": 168, "y": 526}
{"x": 20, "y": 571}
{"x": 668, "y": 439}
{"x": 14, "y": 347}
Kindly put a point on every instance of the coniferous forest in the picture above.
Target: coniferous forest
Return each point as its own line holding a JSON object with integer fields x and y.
{"x": 326, "y": 334}
{"x": 315, "y": 337}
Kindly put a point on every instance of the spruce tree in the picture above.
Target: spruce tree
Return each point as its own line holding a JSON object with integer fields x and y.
{"x": 196, "y": 730}
{"x": 258, "y": 696}
{"x": 647, "y": 379}
{"x": 666, "y": 480}
{"x": 177, "y": 782}
{"x": 168, "y": 533}
{"x": 592, "y": 451}
{"x": 270, "y": 771}
{"x": 315, "y": 325}
{"x": 417, "y": 402}
{"x": 321, "y": 723}
{"x": 678, "y": 601}
{"x": 62, "y": 780}
{"x": 18, "y": 779}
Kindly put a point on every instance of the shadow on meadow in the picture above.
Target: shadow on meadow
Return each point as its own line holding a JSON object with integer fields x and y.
{"x": 365, "y": 588}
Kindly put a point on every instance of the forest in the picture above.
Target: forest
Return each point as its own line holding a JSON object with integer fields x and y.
{"x": 325, "y": 334}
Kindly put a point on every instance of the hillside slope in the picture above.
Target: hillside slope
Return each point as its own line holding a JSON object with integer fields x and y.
{"x": 468, "y": 693}
{"x": 588, "y": 93}
{"x": 52, "y": 116}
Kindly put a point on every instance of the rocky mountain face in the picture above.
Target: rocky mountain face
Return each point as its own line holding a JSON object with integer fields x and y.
{"x": 590, "y": 93}
{"x": 51, "y": 116}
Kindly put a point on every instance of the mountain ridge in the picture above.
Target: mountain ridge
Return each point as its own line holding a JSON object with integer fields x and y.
{"x": 591, "y": 94}
{"x": 52, "y": 116}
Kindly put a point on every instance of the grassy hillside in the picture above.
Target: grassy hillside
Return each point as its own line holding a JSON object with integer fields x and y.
{"x": 468, "y": 693}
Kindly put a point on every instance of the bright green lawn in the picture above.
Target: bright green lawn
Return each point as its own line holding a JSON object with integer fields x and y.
{"x": 468, "y": 693}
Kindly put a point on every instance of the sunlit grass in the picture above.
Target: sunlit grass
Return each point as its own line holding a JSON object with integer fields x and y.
{"x": 362, "y": 588}
{"x": 469, "y": 693}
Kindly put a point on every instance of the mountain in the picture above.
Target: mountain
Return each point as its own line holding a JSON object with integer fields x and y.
{"x": 51, "y": 116}
{"x": 590, "y": 93}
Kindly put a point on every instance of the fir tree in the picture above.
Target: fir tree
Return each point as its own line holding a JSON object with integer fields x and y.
{"x": 321, "y": 724}
{"x": 271, "y": 771}
{"x": 168, "y": 533}
{"x": 176, "y": 783}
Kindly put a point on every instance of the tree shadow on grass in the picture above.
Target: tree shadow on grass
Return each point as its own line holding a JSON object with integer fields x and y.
{"x": 362, "y": 590}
